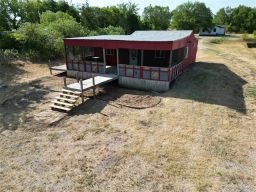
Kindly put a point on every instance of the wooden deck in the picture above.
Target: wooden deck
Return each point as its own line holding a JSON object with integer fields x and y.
{"x": 88, "y": 83}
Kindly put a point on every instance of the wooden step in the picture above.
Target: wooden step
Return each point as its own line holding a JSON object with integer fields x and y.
{"x": 63, "y": 103}
{"x": 59, "y": 107}
{"x": 70, "y": 91}
{"x": 67, "y": 95}
{"x": 66, "y": 99}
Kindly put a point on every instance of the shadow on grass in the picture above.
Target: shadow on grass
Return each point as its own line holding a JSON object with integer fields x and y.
{"x": 211, "y": 83}
{"x": 15, "y": 108}
{"x": 9, "y": 73}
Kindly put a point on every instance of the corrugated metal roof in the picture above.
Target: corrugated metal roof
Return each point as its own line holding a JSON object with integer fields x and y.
{"x": 143, "y": 36}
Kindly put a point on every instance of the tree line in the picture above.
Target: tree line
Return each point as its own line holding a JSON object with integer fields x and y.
{"x": 40, "y": 25}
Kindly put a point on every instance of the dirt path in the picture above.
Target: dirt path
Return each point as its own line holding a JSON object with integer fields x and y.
{"x": 200, "y": 137}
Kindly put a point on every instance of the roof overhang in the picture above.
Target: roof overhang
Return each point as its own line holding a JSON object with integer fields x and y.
{"x": 114, "y": 44}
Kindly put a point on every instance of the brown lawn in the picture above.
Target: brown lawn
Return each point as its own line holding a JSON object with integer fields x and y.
{"x": 200, "y": 137}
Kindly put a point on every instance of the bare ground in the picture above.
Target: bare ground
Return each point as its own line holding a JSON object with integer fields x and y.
{"x": 198, "y": 136}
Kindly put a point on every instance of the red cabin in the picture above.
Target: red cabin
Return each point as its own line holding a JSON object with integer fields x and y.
{"x": 145, "y": 59}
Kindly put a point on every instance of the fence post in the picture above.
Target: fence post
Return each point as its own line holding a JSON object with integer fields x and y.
{"x": 50, "y": 66}
{"x": 81, "y": 87}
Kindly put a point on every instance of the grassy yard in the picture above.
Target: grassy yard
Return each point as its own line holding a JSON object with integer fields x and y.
{"x": 200, "y": 137}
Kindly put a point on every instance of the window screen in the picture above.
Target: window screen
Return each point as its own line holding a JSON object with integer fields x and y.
{"x": 87, "y": 52}
{"x": 69, "y": 53}
{"x": 110, "y": 51}
{"x": 178, "y": 55}
{"x": 160, "y": 54}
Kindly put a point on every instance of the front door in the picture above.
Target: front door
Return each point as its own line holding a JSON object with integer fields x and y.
{"x": 133, "y": 57}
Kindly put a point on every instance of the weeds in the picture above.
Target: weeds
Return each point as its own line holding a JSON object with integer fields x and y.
{"x": 217, "y": 40}
{"x": 251, "y": 91}
{"x": 87, "y": 178}
{"x": 53, "y": 136}
{"x": 249, "y": 37}
{"x": 7, "y": 56}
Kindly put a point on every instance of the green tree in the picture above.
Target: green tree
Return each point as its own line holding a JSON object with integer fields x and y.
{"x": 222, "y": 17}
{"x": 4, "y": 22}
{"x": 89, "y": 17}
{"x": 156, "y": 17}
{"x": 191, "y": 16}
{"x": 30, "y": 11}
{"x": 9, "y": 14}
{"x": 46, "y": 39}
{"x": 95, "y": 17}
{"x": 243, "y": 19}
{"x": 110, "y": 30}
{"x": 251, "y": 21}
{"x": 130, "y": 20}
{"x": 64, "y": 23}
{"x": 63, "y": 6}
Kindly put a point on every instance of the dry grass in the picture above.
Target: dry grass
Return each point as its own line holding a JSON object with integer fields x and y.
{"x": 201, "y": 137}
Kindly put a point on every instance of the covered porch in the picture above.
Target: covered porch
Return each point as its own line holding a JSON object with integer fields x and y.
{"x": 158, "y": 65}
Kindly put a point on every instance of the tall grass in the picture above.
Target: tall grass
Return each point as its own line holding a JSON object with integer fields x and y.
{"x": 217, "y": 40}
{"x": 251, "y": 91}
{"x": 7, "y": 56}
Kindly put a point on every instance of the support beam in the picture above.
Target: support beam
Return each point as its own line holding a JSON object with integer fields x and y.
{"x": 93, "y": 83}
{"x": 142, "y": 57}
{"x": 65, "y": 81}
{"x": 170, "y": 59}
{"x": 104, "y": 59}
{"x": 81, "y": 87}
{"x": 117, "y": 60}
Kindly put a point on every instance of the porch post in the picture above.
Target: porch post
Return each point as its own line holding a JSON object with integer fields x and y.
{"x": 104, "y": 59}
{"x": 117, "y": 60}
{"x": 141, "y": 57}
{"x": 170, "y": 59}
{"x": 141, "y": 63}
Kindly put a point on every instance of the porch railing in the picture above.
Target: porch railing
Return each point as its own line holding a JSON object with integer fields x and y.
{"x": 151, "y": 73}
{"x": 86, "y": 66}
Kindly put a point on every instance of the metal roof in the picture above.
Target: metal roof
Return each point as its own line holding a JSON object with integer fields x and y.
{"x": 153, "y": 36}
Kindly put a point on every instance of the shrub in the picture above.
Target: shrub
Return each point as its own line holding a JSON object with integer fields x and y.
{"x": 249, "y": 37}
{"x": 10, "y": 40}
{"x": 45, "y": 40}
{"x": 217, "y": 40}
{"x": 245, "y": 36}
{"x": 7, "y": 56}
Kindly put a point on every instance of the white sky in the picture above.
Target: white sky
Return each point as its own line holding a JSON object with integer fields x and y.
{"x": 215, "y": 5}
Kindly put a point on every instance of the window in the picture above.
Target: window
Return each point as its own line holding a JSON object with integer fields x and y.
{"x": 69, "y": 53}
{"x": 77, "y": 53}
{"x": 203, "y": 30}
{"x": 214, "y": 30}
{"x": 110, "y": 51}
{"x": 160, "y": 54}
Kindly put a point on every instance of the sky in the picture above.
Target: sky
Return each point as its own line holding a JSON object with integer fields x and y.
{"x": 214, "y": 5}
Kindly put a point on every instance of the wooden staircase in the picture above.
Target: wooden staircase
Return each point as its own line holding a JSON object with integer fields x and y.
{"x": 66, "y": 100}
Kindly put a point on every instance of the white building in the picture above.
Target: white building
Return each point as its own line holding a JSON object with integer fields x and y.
{"x": 215, "y": 31}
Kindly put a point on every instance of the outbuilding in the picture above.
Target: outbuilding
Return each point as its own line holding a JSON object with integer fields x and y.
{"x": 217, "y": 30}
{"x": 145, "y": 59}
